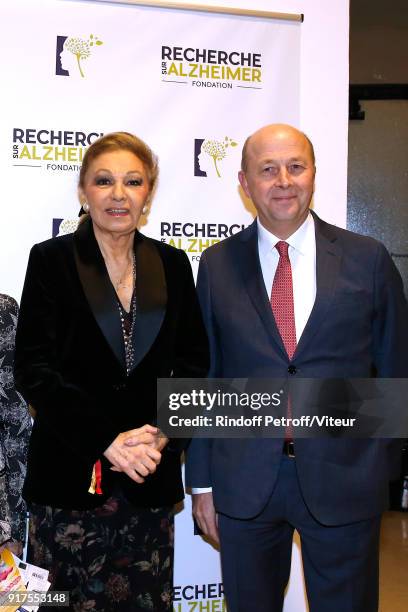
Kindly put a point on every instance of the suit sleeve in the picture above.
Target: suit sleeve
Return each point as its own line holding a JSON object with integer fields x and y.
{"x": 390, "y": 319}
{"x": 67, "y": 411}
{"x": 390, "y": 336}
{"x": 198, "y": 462}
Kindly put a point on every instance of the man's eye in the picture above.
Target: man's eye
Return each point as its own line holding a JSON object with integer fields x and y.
{"x": 103, "y": 180}
{"x": 296, "y": 168}
{"x": 270, "y": 170}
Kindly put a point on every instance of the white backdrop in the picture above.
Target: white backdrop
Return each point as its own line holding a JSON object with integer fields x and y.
{"x": 50, "y": 111}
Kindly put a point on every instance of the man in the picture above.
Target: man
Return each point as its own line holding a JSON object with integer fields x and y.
{"x": 292, "y": 296}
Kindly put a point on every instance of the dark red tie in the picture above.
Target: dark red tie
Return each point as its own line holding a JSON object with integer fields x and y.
{"x": 282, "y": 299}
{"x": 283, "y": 309}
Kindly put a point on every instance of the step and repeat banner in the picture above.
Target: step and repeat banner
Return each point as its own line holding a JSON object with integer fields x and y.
{"x": 193, "y": 85}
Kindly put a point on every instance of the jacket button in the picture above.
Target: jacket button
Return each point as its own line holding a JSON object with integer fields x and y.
{"x": 292, "y": 369}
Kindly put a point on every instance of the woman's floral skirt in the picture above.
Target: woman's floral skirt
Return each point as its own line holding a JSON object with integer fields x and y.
{"x": 115, "y": 558}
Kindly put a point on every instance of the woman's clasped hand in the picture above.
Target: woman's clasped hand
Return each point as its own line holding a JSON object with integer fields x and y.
{"x": 137, "y": 453}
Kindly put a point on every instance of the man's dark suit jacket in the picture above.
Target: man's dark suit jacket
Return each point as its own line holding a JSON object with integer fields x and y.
{"x": 358, "y": 327}
{"x": 70, "y": 364}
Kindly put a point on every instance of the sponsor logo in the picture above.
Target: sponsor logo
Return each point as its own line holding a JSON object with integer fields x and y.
{"x": 53, "y": 150}
{"x": 208, "y": 155}
{"x": 199, "y": 598}
{"x": 211, "y": 67}
{"x": 193, "y": 237}
{"x": 71, "y": 53}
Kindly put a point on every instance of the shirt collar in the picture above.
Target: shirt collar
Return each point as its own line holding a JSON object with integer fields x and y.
{"x": 302, "y": 240}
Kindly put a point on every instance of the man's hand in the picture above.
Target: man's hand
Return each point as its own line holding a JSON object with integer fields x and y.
{"x": 138, "y": 460}
{"x": 205, "y": 515}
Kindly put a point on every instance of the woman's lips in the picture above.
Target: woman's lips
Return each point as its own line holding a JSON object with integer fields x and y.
{"x": 117, "y": 212}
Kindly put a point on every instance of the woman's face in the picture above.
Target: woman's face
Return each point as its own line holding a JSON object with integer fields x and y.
{"x": 116, "y": 188}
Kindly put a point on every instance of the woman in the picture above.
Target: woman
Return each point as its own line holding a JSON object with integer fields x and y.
{"x": 105, "y": 312}
{"x": 15, "y": 428}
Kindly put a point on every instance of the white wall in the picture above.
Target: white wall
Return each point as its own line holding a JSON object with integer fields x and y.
{"x": 324, "y": 91}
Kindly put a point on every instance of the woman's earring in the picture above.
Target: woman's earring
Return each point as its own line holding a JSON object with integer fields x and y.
{"x": 144, "y": 210}
{"x": 85, "y": 207}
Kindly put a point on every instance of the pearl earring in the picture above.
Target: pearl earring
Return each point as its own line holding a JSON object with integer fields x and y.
{"x": 145, "y": 209}
{"x": 85, "y": 207}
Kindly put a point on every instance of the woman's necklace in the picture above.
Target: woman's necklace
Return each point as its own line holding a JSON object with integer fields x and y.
{"x": 127, "y": 320}
{"x": 125, "y": 278}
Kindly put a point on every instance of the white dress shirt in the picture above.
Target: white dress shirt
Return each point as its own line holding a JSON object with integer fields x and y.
{"x": 302, "y": 255}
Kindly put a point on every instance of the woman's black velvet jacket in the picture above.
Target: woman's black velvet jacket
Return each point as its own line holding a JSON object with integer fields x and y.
{"x": 70, "y": 365}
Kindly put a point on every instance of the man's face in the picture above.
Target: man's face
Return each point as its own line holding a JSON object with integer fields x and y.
{"x": 279, "y": 178}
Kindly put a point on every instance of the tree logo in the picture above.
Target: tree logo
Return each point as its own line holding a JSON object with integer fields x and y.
{"x": 209, "y": 153}
{"x": 71, "y": 52}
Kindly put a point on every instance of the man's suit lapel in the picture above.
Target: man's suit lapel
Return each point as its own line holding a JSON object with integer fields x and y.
{"x": 250, "y": 268}
{"x": 328, "y": 260}
{"x": 151, "y": 292}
